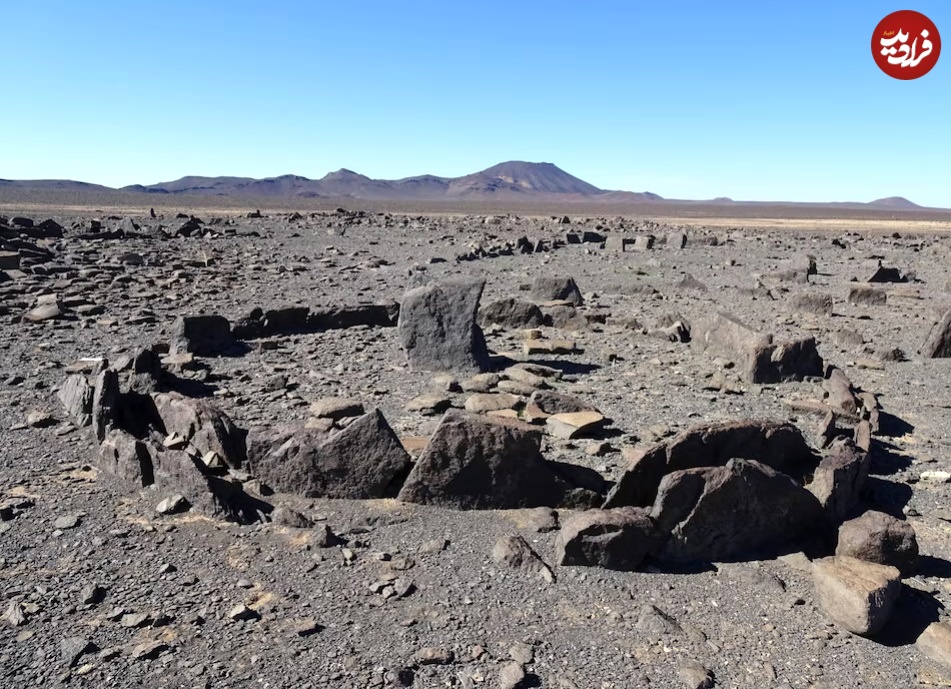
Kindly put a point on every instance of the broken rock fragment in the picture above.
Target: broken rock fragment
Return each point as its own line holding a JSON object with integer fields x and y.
{"x": 858, "y": 596}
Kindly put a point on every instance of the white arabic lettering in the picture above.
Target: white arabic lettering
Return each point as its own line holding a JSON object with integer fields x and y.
{"x": 904, "y": 55}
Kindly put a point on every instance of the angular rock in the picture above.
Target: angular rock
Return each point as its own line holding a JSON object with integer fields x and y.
{"x": 126, "y": 457}
{"x": 551, "y": 288}
{"x": 839, "y": 480}
{"x": 880, "y": 538}
{"x": 478, "y": 462}
{"x": 76, "y": 395}
{"x": 858, "y": 596}
{"x": 515, "y": 552}
{"x": 105, "y": 403}
{"x": 203, "y": 425}
{"x": 438, "y": 329}
{"x": 732, "y": 511}
{"x": 938, "y": 344}
{"x": 206, "y": 335}
{"x": 614, "y": 539}
{"x": 365, "y": 460}
{"x": 511, "y": 313}
{"x": 935, "y": 644}
{"x": 759, "y": 359}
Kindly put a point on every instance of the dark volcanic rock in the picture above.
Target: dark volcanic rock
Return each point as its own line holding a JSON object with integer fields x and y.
{"x": 780, "y": 446}
{"x": 549, "y": 288}
{"x": 759, "y": 359}
{"x": 205, "y": 335}
{"x": 732, "y": 511}
{"x": 839, "y": 480}
{"x": 438, "y": 329}
{"x": 477, "y": 462}
{"x": 511, "y": 313}
{"x": 615, "y": 539}
{"x": 364, "y": 460}
{"x": 879, "y": 537}
{"x": 203, "y": 425}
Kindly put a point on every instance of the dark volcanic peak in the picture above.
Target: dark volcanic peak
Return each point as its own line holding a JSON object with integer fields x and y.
{"x": 544, "y": 178}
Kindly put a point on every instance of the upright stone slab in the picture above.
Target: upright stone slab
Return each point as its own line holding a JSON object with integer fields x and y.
{"x": 438, "y": 329}
{"x": 204, "y": 335}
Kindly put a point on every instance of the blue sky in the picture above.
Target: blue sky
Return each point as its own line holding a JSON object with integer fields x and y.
{"x": 752, "y": 100}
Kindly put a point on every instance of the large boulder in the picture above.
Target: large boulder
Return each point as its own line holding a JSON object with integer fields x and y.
{"x": 614, "y": 539}
{"x": 478, "y": 462}
{"x": 733, "y": 511}
{"x": 779, "y": 446}
{"x": 364, "y": 460}
{"x": 205, "y": 335}
{"x": 105, "y": 403}
{"x": 438, "y": 329}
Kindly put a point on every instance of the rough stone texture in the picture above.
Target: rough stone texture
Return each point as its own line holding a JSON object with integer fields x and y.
{"x": 879, "y": 537}
{"x": 203, "y": 425}
{"x": 935, "y": 644}
{"x": 731, "y": 511}
{"x": 867, "y": 296}
{"x": 125, "y": 457}
{"x": 839, "y": 480}
{"x": 438, "y": 329}
{"x": 551, "y": 288}
{"x": 780, "y": 446}
{"x": 205, "y": 335}
{"x": 616, "y": 539}
{"x": 511, "y": 313}
{"x": 76, "y": 396}
{"x": 759, "y": 359}
{"x": 515, "y": 552}
{"x": 552, "y": 402}
{"x": 858, "y": 596}
{"x": 819, "y": 304}
{"x": 476, "y": 462}
{"x": 105, "y": 401}
{"x": 364, "y": 460}
{"x": 938, "y": 344}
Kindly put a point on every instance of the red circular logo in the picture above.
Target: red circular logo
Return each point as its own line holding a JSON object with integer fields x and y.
{"x": 906, "y": 44}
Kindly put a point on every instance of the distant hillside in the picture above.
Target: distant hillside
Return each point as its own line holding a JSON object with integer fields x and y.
{"x": 896, "y": 202}
{"x": 513, "y": 181}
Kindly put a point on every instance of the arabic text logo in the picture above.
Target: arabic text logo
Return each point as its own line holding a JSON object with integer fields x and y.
{"x": 906, "y": 45}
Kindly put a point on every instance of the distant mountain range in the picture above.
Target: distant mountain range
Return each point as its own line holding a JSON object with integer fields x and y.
{"x": 511, "y": 181}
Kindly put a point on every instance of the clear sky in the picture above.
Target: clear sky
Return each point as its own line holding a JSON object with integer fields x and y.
{"x": 752, "y": 100}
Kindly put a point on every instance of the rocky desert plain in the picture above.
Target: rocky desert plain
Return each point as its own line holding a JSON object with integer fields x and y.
{"x": 373, "y": 447}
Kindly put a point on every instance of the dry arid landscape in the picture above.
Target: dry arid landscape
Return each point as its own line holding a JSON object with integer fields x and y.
{"x": 305, "y": 441}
